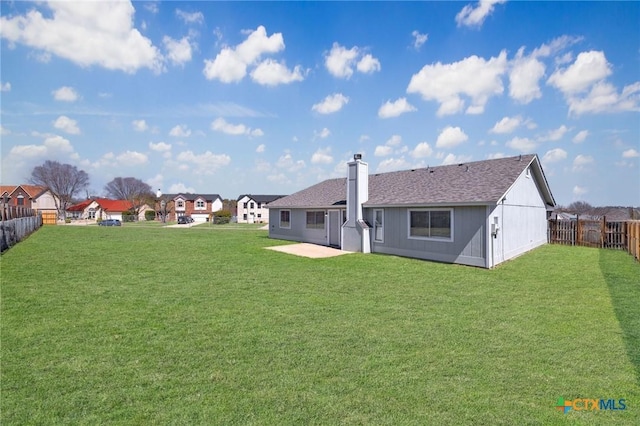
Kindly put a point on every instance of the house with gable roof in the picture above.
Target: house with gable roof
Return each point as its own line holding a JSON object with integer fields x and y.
{"x": 30, "y": 196}
{"x": 253, "y": 208}
{"x": 478, "y": 213}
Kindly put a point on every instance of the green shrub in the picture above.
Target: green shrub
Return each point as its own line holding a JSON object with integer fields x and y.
{"x": 67, "y": 220}
{"x": 149, "y": 215}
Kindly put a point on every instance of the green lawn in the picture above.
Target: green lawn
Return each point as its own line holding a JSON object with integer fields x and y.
{"x": 148, "y": 325}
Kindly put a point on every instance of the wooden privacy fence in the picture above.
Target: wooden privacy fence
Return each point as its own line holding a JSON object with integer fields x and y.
{"x": 619, "y": 235}
{"x": 16, "y": 223}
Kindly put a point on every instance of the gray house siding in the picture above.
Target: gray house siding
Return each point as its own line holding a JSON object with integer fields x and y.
{"x": 467, "y": 247}
{"x": 522, "y": 221}
{"x": 298, "y": 230}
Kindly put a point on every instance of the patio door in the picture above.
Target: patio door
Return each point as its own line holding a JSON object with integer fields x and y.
{"x": 334, "y": 228}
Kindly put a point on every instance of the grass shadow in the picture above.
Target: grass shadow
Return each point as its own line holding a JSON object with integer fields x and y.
{"x": 621, "y": 273}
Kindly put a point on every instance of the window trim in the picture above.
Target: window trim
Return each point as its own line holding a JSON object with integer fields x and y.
{"x": 316, "y": 214}
{"x": 202, "y": 207}
{"x": 439, "y": 239}
{"x": 280, "y": 221}
{"x": 375, "y": 226}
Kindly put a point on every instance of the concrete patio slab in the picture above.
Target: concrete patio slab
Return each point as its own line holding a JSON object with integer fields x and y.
{"x": 309, "y": 250}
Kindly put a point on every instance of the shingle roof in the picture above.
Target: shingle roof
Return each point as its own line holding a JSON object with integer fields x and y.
{"x": 261, "y": 198}
{"x": 479, "y": 182}
{"x": 193, "y": 197}
{"x": 80, "y": 206}
{"x": 31, "y": 190}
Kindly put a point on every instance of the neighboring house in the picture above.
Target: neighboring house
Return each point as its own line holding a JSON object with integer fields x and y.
{"x": 103, "y": 208}
{"x": 479, "y": 213}
{"x": 253, "y": 208}
{"x": 30, "y": 196}
{"x": 84, "y": 210}
{"x": 199, "y": 206}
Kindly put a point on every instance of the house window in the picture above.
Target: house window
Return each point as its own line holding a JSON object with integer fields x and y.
{"x": 180, "y": 204}
{"x": 259, "y": 215}
{"x": 20, "y": 200}
{"x": 431, "y": 224}
{"x": 91, "y": 214}
{"x": 251, "y": 205}
{"x": 285, "y": 219}
{"x": 245, "y": 205}
{"x": 315, "y": 220}
{"x": 244, "y": 217}
{"x": 378, "y": 225}
{"x": 259, "y": 205}
{"x": 200, "y": 204}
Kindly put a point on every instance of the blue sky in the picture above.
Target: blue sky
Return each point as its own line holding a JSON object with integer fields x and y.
{"x": 269, "y": 98}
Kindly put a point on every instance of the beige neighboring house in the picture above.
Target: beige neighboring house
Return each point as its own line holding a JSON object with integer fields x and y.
{"x": 30, "y": 196}
{"x": 253, "y": 208}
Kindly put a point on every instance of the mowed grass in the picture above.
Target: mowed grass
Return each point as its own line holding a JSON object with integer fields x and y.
{"x": 145, "y": 325}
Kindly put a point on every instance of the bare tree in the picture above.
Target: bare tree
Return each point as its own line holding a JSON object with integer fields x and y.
{"x": 63, "y": 180}
{"x": 131, "y": 189}
{"x": 579, "y": 207}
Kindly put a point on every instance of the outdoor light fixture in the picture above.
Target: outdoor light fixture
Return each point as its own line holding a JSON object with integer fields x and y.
{"x": 357, "y": 156}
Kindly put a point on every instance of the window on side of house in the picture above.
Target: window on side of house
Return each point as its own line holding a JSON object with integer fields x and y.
{"x": 244, "y": 216}
{"x": 180, "y": 204}
{"x": 315, "y": 219}
{"x": 431, "y": 224}
{"x": 378, "y": 226}
{"x": 285, "y": 219}
{"x": 200, "y": 204}
{"x": 251, "y": 205}
{"x": 20, "y": 200}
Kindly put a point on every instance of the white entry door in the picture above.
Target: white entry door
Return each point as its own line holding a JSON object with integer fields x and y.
{"x": 334, "y": 228}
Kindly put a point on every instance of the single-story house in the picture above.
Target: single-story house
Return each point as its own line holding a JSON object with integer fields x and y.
{"x": 478, "y": 213}
{"x": 104, "y": 208}
{"x": 253, "y": 208}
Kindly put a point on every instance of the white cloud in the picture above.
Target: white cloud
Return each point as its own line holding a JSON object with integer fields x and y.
{"x": 159, "y": 147}
{"x": 322, "y": 134}
{"x": 589, "y": 68}
{"x": 368, "y": 64}
{"x": 261, "y": 148}
{"x": 66, "y": 94}
{"x": 450, "y": 137}
{"x": 422, "y": 150}
{"x": 220, "y": 125}
{"x": 5, "y": 87}
{"x": 522, "y": 144}
{"x": 28, "y": 151}
{"x": 473, "y": 77}
{"x": 272, "y": 73}
{"x": 506, "y": 125}
{"x": 330, "y": 104}
{"x": 230, "y": 65}
{"x": 579, "y": 190}
{"x": 57, "y": 144}
{"x": 392, "y": 164}
{"x": 455, "y": 159}
{"x": 581, "y": 136}
{"x": 383, "y": 151}
{"x": 178, "y": 51}
{"x": 630, "y": 153}
{"x": 139, "y": 125}
{"x": 554, "y": 155}
{"x": 495, "y": 156}
{"x": 364, "y": 138}
{"x": 181, "y": 188}
{"x": 67, "y": 125}
{"x": 581, "y": 162}
{"x": 190, "y": 18}
{"x": 524, "y": 78}
{"x": 604, "y": 97}
{"x": 394, "y": 109}
{"x": 86, "y": 33}
{"x": 419, "y": 39}
{"x": 471, "y": 16}
{"x": 555, "y": 134}
{"x": 340, "y": 61}
{"x": 132, "y": 158}
{"x": 206, "y": 163}
{"x": 180, "y": 131}
{"x": 322, "y": 156}
{"x": 394, "y": 140}
{"x": 287, "y": 162}
{"x": 4, "y": 130}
